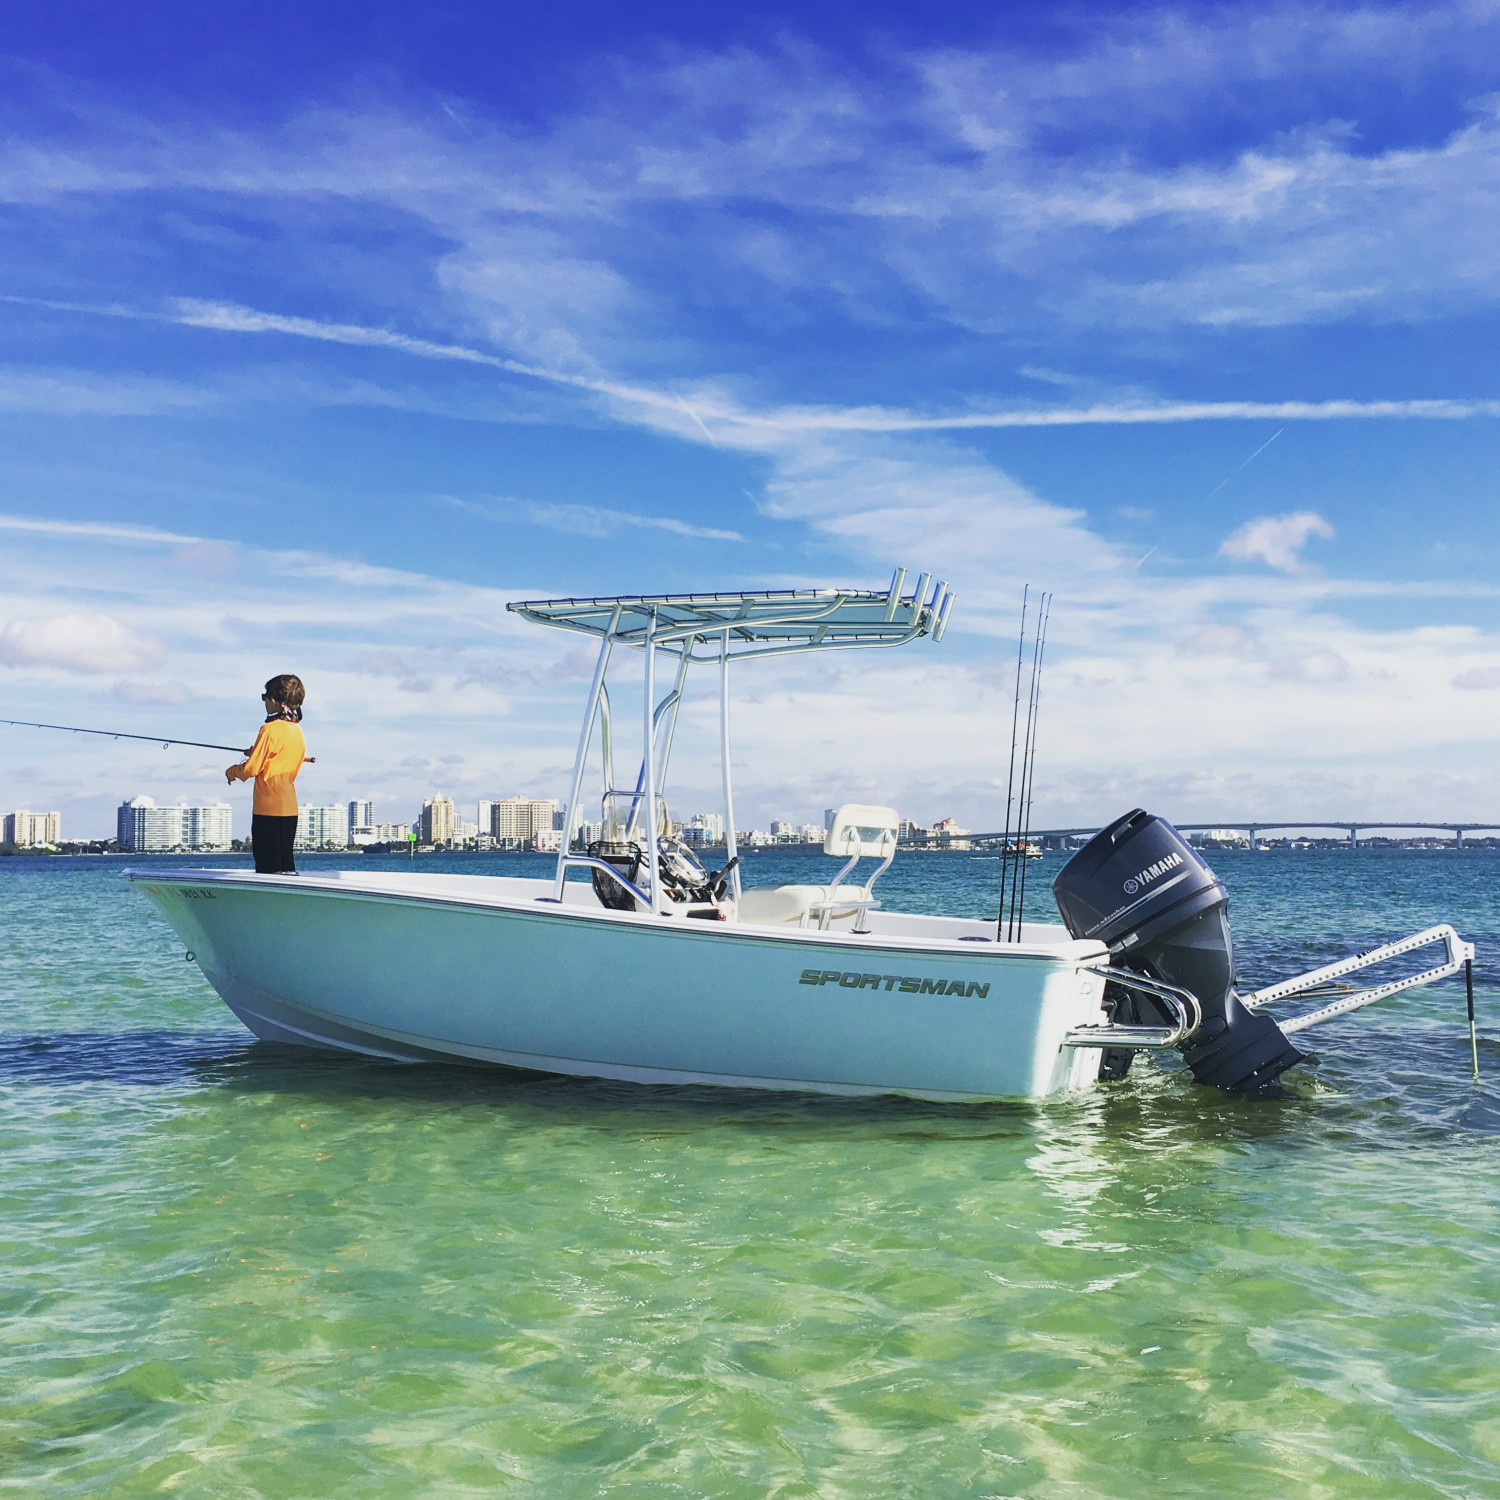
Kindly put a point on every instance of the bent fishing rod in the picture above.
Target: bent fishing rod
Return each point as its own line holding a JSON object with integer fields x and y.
{"x": 120, "y": 734}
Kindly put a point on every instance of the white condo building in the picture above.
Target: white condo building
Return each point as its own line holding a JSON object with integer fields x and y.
{"x": 361, "y": 814}
{"x": 380, "y": 833}
{"x": 31, "y": 830}
{"x": 209, "y": 827}
{"x": 322, "y": 827}
{"x": 145, "y": 828}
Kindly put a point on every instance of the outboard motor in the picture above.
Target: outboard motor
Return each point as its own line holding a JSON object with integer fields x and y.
{"x": 1139, "y": 888}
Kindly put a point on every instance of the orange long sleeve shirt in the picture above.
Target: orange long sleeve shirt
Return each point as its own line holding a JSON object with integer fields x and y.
{"x": 273, "y": 762}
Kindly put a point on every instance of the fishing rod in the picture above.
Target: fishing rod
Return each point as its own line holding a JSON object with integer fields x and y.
{"x": 120, "y": 734}
{"x": 1028, "y": 763}
{"x": 1018, "y": 866}
{"x": 1010, "y": 780}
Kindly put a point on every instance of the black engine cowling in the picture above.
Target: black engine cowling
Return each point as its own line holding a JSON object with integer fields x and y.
{"x": 1142, "y": 890}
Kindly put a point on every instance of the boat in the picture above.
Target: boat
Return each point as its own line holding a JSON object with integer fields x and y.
{"x": 635, "y": 962}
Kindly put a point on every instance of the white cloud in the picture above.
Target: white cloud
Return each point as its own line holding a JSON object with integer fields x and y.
{"x": 1310, "y": 666}
{"x": 1275, "y": 540}
{"x": 1477, "y": 679}
{"x": 85, "y": 393}
{"x": 1128, "y": 716}
{"x": 687, "y": 413}
{"x": 1220, "y": 640}
{"x": 78, "y": 643}
{"x": 99, "y": 529}
{"x": 587, "y": 520}
{"x": 596, "y": 520}
{"x": 171, "y": 694}
{"x": 964, "y": 186}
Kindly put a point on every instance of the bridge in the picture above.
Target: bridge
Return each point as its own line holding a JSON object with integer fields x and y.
{"x": 1353, "y": 827}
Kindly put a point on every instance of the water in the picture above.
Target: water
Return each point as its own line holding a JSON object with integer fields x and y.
{"x": 232, "y": 1269}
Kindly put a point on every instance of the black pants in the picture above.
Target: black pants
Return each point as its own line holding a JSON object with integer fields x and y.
{"x": 271, "y": 841}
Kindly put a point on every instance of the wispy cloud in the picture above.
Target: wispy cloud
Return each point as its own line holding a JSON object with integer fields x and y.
{"x": 102, "y": 529}
{"x": 588, "y": 520}
{"x": 744, "y": 425}
{"x": 85, "y": 393}
{"x": 974, "y": 189}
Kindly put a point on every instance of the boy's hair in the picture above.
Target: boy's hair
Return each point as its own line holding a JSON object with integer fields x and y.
{"x": 288, "y": 690}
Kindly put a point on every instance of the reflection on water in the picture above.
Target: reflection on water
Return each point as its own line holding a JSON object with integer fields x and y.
{"x": 235, "y": 1268}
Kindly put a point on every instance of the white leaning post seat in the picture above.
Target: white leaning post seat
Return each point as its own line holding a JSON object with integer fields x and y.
{"x": 858, "y": 831}
{"x": 778, "y": 905}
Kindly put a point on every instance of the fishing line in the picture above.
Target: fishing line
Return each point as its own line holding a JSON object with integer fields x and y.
{"x": 120, "y": 734}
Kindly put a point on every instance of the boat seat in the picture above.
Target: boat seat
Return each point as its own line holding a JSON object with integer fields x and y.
{"x": 779, "y": 905}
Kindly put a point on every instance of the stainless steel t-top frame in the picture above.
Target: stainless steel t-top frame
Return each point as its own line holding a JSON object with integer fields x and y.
{"x": 699, "y": 628}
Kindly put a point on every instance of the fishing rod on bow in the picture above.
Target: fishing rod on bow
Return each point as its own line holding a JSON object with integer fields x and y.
{"x": 120, "y": 734}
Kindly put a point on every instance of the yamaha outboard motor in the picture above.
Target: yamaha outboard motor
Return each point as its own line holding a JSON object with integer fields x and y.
{"x": 1142, "y": 890}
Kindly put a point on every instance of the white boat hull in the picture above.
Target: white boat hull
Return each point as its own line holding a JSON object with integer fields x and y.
{"x": 423, "y": 967}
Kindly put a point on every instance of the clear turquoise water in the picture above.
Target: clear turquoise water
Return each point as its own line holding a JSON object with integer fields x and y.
{"x": 228, "y": 1269}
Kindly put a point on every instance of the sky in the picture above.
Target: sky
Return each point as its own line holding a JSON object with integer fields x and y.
{"x": 327, "y": 331}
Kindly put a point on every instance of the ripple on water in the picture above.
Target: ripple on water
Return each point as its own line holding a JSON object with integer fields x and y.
{"x": 238, "y": 1269}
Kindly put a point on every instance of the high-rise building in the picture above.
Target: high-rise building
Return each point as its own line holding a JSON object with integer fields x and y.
{"x": 322, "y": 827}
{"x": 521, "y": 817}
{"x": 144, "y": 827}
{"x": 361, "y": 814}
{"x": 485, "y": 822}
{"x": 828, "y": 813}
{"x": 437, "y": 821}
{"x": 208, "y": 827}
{"x": 380, "y": 833}
{"x": 703, "y": 830}
{"x": 30, "y": 830}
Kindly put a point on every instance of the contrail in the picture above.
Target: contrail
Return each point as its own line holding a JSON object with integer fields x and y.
{"x": 1220, "y": 485}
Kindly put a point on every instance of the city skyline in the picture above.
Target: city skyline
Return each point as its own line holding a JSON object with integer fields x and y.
{"x": 143, "y": 823}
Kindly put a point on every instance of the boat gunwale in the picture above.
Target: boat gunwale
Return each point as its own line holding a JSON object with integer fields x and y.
{"x": 548, "y": 909}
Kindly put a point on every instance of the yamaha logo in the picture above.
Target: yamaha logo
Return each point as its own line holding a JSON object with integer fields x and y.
{"x": 1150, "y": 873}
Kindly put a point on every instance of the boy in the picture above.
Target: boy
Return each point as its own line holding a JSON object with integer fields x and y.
{"x": 278, "y": 754}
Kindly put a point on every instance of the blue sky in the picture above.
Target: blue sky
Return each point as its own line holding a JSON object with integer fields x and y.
{"x": 327, "y": 330}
